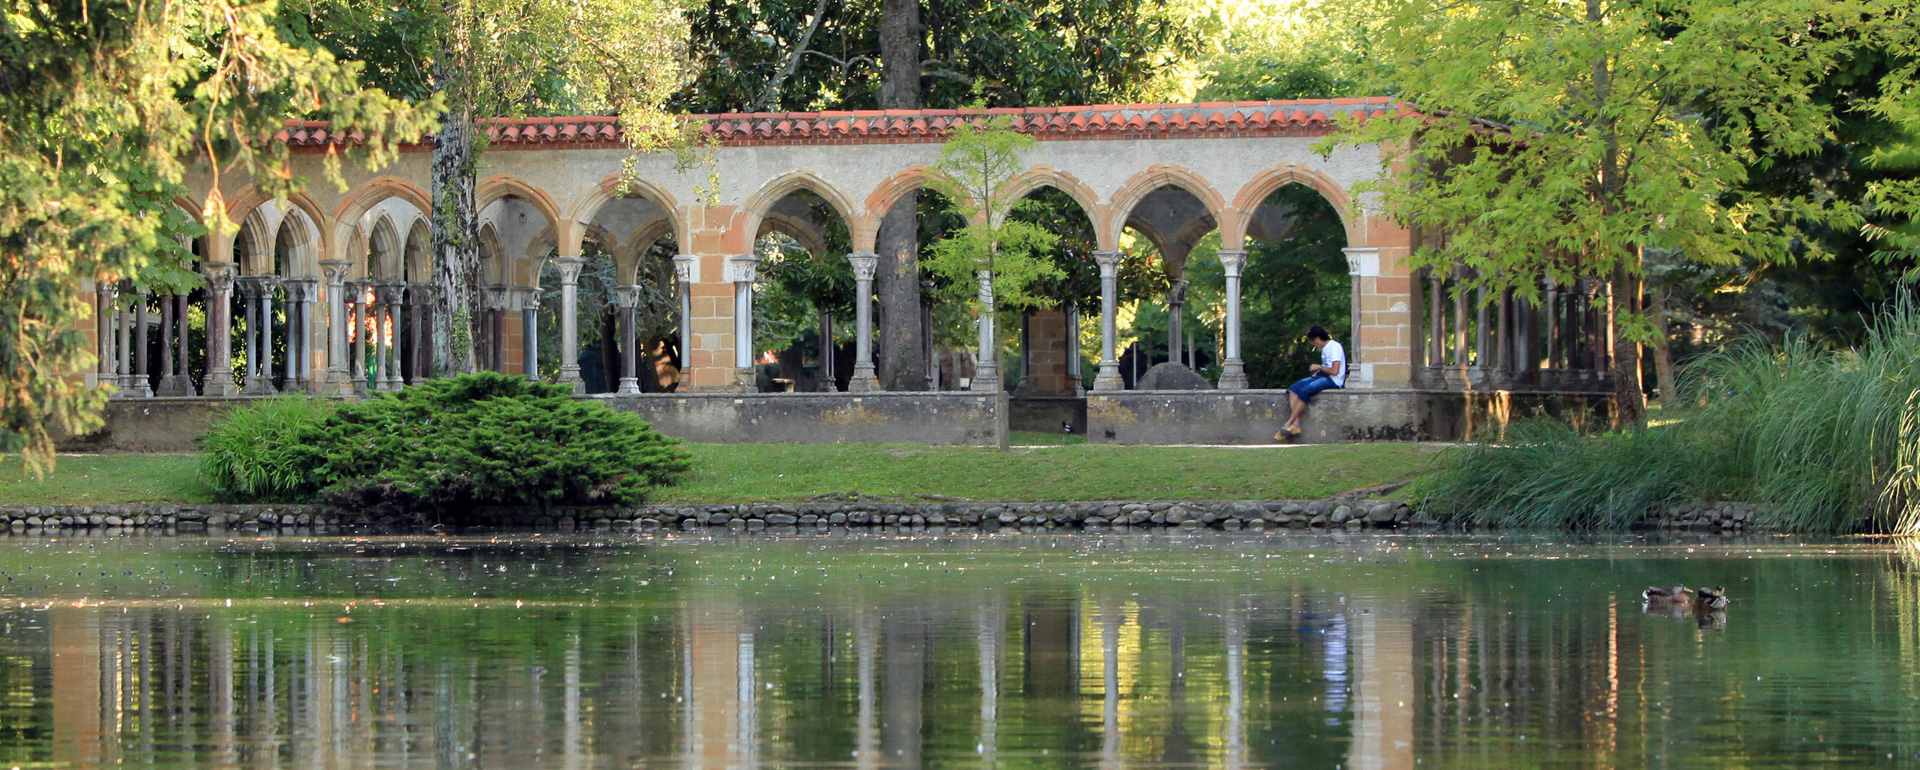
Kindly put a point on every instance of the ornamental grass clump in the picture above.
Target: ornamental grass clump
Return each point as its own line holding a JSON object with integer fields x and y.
{"x": 251, "y": 454}
{"x": 1821, "y": 440}
{"x": 446, "y": 446}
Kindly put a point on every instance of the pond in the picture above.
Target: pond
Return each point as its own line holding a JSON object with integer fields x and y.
{"x": 1005, "y": 650}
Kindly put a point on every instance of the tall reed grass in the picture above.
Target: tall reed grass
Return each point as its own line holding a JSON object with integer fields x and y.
{"x": 1822, "y": 440}
{"x": 249, "y": 455}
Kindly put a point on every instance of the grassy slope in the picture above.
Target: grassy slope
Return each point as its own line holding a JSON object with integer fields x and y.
{"x": 792, "y": 472}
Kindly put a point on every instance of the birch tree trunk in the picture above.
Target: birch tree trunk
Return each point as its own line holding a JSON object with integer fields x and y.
{"x": 455, "y": 239}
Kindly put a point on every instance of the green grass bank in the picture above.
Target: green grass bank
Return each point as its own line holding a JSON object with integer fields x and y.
{"x": 734, "y": 473}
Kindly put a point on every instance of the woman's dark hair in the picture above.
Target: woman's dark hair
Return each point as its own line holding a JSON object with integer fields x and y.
{"x": 1318, "y": 333}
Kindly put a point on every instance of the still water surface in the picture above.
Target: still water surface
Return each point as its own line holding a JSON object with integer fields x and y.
{"x": 963, "y": 651}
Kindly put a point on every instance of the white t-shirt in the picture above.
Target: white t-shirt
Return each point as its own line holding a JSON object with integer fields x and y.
{"x": 1331, "y": 354}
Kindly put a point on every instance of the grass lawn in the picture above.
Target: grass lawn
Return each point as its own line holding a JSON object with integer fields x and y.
{"x": 794, "y": 472}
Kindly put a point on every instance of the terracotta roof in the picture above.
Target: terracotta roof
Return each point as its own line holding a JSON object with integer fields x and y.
{"x": 1310, "y": 116}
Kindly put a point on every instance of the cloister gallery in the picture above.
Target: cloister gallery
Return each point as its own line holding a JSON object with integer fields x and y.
{"x": 291, "y": 288}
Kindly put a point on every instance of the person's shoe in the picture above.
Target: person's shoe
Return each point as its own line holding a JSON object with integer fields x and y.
{"x": 1294, "y": 429}
{"x": 1287, "y": 431}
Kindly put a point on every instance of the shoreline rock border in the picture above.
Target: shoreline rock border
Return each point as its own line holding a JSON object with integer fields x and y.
{"x": 1338, "y": 513}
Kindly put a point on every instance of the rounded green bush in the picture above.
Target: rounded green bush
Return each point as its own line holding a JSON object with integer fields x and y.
{"x": 448, "y": 445}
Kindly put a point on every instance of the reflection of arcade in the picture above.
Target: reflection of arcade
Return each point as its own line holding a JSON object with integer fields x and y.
{"x": 1224, "y": 683}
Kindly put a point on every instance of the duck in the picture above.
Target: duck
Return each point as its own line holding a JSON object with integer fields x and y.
{"x": 1678, "y": 594}
{"x": 1711, "y": 599}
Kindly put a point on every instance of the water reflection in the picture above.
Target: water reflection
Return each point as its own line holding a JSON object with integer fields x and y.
{"x": 1002, "y": 652}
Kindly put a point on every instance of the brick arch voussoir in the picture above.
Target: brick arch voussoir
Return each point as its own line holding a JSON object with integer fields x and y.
{"x": 862, "y": 225}
{"x": 1159, "y": 175}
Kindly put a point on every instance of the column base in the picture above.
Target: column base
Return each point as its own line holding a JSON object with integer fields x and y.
{"x": 570, "y": 375}
{"x": 864, "y": 379}
{"x": 337, "y": 386}
{"x": 220, "y": 386}
{"x": 1109, "y": 377}
{"x": 746, "y": 380}
{"x": 986, "y": 380}
{"x": 260, "y": 386}
{"x": 175, "y": 385}
{"x": 629, "y": 386}
{"x": 1233, "y": 375}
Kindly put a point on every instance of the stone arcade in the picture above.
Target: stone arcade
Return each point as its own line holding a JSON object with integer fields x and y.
{"x": 348, "y": 271}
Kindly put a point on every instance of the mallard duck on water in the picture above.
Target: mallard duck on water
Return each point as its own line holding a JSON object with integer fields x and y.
{"x": 1677, "y": 595}
{"x": 1710, "y": 599}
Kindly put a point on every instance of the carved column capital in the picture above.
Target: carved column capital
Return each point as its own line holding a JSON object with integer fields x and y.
{"x": 743, "y": 268}
{"x": 865, "y": 265}
{"x": 1362, "y": 261}
{"x": 498, "y": 297}
{"x": 569, "y": 268}
{"x": 1232, "y": 261}
{"x": 301, "y": 288}
{"x": 1109, "y": 262}
{"x": 1177, "y": 292}
{"x": 335, "y": 270}
{"x": 220, "y": 275}
{"x": 686, "y": 268}
{"x": 528, "y": 297}
{"x": 626, "y": 296}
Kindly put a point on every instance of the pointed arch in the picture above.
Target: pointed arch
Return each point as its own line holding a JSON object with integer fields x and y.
{"x": 860, "y": 223}
{"x": 581, "y": 212}
{"x": 417, "y": 259}
{"x": 250, "y": 199}
{"x": 1153, "y": 178}
{"x": 1045, "y": 175}
{"x": 1233, "y": 228}
{"x": 499, "y": 186}
{"x": 360, "y": 200}
{"x": 493, "y": 259}
{"x": 383, "y": 251}
{"x": 300, "y": 236}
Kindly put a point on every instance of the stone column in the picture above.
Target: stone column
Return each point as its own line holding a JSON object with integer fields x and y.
{"x": 219, "y": 380}
{"x": 302, "y": 292}
{"x": 1074, "y": 381}
{"x": 1109, "y": 376}
{"x": 986, "y": 371}
{"x": 530, "y": 331}
{"x": 1176, "y": 320}
{"x": 103, "y": 330}
{"x": 1233, "y": 373}
{"x": 357, "y": 322}
{"x": 419, "y": 330}
{"x": 864, "y": 379}
{"x": 258, "y": 293}
{"x": 570, "y": 326}
{"x": 123, "y": 313}
{"x": 142, "y": 371}
{"x": 684, "y": 267}
{"x": 627, "y": 298}
{"x": 166, "y": 347}
{"x": 395, "y": 308}
{"x": 335, "y": 272}
{"x": 743, "y": 269}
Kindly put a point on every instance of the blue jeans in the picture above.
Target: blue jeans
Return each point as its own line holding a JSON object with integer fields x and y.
{"x": 1306, "y": 388}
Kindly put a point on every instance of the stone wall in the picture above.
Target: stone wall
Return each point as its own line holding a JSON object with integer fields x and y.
{"x": 1356, "y": 414}
{"x": 1046, "y": 414}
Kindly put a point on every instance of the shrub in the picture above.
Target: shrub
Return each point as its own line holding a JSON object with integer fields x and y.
{"x": 249, "y": 455}
{"x": 483, "y": 439}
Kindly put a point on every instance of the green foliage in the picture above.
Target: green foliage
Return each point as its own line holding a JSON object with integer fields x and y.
{"x": 972, "y": 172}
{"x": 1291, "y": 284}
{"x": 1823, "y": 440}
{"x": 102, "y": 108}
{"x": 252, "y": 454}
{"x": 482, "y": 439}
{"x": 813, "y": 55}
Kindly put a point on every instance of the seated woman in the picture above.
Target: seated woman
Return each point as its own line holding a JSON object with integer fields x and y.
{"x": 1331, "y": 372}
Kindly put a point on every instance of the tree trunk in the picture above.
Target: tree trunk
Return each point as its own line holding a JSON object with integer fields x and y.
{"x": 456, "y": 230}
{"x": 1630, "y": 402}
{"x": 899, "y": 354}
{"x": 1662, "y": 344}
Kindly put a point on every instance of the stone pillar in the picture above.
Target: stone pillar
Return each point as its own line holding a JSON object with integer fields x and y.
{"x": 986, "y": 371}
{"x": 864, "y": 379}
{"x": 1176, "y": 320}
{"x": 570, "y": 326}
{"x": 382, "y": 326}
{"x": 395, "y": 309}
{"x": 742, "y": 270}
{"x": 219, "y": 379}
{"x": 1109, "y": 376}
{"x": 530, "y": 331}
{"x": 258, "y": 290}
{"x": 142, "y": 369}
{"x": 419, "y": 331}
{"x": 166, "y": 346}
{"x": 335, "y": 273}
{"x": 684, "y": 267}
{"x": 303, "y": 292}
{"x": 357, "y": 360}
{"x": 1233, "y": 373}
{"x": 123, "y": 313}
{"x": 627, "y": 298}
{"x": 1075, "y": 385}
{"x": 103, "y": 330}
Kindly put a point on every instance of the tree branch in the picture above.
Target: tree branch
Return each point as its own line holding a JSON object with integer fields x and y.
{"x": 772, "y": 91}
